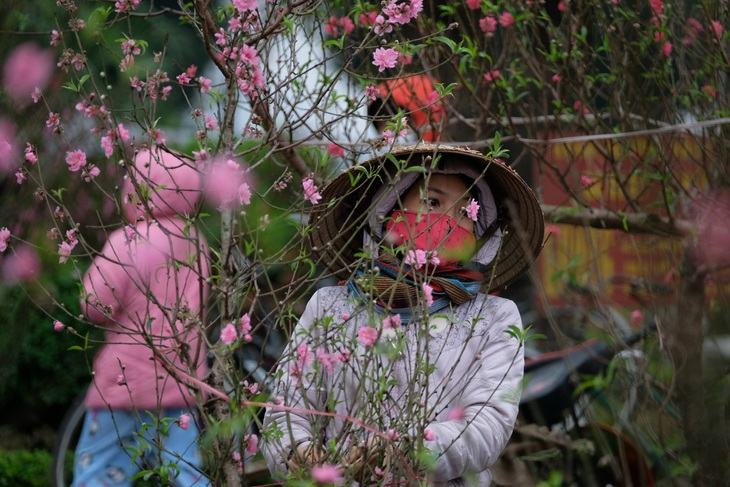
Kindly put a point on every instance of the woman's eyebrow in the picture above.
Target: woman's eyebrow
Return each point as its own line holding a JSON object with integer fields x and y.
{"x": 436, "y": 189}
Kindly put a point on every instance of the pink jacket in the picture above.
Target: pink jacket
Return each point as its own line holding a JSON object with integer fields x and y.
{"x": 468, "y": 399}
{"x": 148, "y": 288}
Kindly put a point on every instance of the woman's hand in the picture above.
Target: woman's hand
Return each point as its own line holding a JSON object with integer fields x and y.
{"x": 362, "y": 459}
{"x": 305, "y": 456}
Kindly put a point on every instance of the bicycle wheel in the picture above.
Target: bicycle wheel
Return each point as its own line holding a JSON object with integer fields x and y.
{"x": 66, "y": 439}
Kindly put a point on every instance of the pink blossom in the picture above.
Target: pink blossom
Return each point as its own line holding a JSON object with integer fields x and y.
{"x": 427, "y": 293}
{"x": 122, "y": 132}
{"x": 250, "y": 388}
{"x": 667, "y": 49}
{"x": 637, "y": 318}
{"x": 245, "y": 5}
{"x": 244, "y": 193}
{"x": 657, "y": 6}
{"x": 473, "y": 4}
{"x": 30, "y": 155}
{"x": 586, "y": 180}
{"x": 130, "y": 46}
{"x": 388, "y": 136}
{"x": 694, "y": 26}
{"x": 434, "y": 258}
{"x": 552, "y": 229}
{"x": 367, "y": 335}
{"x": 58, "y": 326}
{"x": 382, "y": 26}
{"x": 344, "y": 356}
{"x": 54, "y": 119}
{"x": 4, "y": 237}
{"x": 75, "y": 160}
{"x": 557, "y": 78}
{"x": 124, "y": 6}
{"x": 345, "y": 316}
{"x": 402, "y": 13}
{"x": 229, "y": 334}
{"x": 200, "y": 156}
{"x": 347, "y": 25}
{"x": 716, "y": 28}
{"x": 311, "y": 191}
{"x": 184, "y": 421}
{"x": 36, "y": 95}
{"x": 335, "y": 150}
{"x": 19, "y": 176}
{"x": 26, "y": 68}
{"x": 71, "y": 237}
{"x": 252, "y": 444}
{"x": 492, "y": 76}
{"x": 416, "y": 258}
{"x": 158, "y": 136}
{"x": 22, "y": 265}
{"x": 120, "y": 380}
{"x": 108, "y": 145}
{"x": 245, "y": 324}
{"x": 506, "y": 19}
{"x": 405, "y": 59}
{"x": 428, "y": 435}
{"x": 130, "y": 233}
{"x": 210, "y": 122}
{"x": 385, "y": 58}
{"x": 223, "y": 182}
{"x": 578, "y": 107}
{"x": 304, "y": 354}
{"x": 330, "y": 28}
{"x": 56, "y": 37}
{"x": 326, "y": 473}
{"x": 455, "y": 413}
{"x": 488, "y": 24}
{"x": 472, "y": 210}
{"x": 372, "y": 92}
{"x": 392, "y": 434}
{"x": 368, "y": 19}
{"x": 393, "y": 321}
{"x": 205, "y": 84}
{"x": 166, "y": 92}
{"x": 64, "y": 252}
{"x": 327, "y": 360}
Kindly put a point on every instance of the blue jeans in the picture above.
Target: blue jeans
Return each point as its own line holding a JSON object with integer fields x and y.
{"x": 105, "y": 454}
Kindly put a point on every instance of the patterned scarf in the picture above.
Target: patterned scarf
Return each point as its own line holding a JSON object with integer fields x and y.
{"x": 398, "y": 286}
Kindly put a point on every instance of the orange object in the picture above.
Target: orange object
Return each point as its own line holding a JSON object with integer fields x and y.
{"x": 418, "y": 98}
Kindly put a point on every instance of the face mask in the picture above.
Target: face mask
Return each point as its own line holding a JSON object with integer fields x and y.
{"x": 433, "y": 231}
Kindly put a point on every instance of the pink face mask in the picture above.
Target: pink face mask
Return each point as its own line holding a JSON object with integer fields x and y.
{"x": 433, "y": 231}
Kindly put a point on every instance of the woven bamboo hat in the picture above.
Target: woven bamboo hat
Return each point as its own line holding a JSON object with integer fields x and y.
{"x": 339, "y": 221}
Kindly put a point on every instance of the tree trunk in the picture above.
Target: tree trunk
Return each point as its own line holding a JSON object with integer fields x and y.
{"x": 702, "y": 411}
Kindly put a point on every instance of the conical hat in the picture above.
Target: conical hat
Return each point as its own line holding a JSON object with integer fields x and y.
{"x": 338, "y": 221}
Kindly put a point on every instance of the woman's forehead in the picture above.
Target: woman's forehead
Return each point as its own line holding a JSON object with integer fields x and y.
{"x": 452, "y": 184}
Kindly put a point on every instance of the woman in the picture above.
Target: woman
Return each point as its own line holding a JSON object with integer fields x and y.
{"x": 407, "y": 370}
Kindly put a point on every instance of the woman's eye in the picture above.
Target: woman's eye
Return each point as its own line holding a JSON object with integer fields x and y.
{"x": 431, "y": 202}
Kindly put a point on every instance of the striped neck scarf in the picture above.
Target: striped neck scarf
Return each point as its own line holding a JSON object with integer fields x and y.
{"x": 398, "y": 287}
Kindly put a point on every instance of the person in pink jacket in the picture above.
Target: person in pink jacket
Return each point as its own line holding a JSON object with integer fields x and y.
{"x": 409, "y": 370}
{"x": 147, "y": 287}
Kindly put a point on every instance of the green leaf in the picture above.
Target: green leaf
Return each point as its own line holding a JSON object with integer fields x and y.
{"x": 445, "y": 40}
